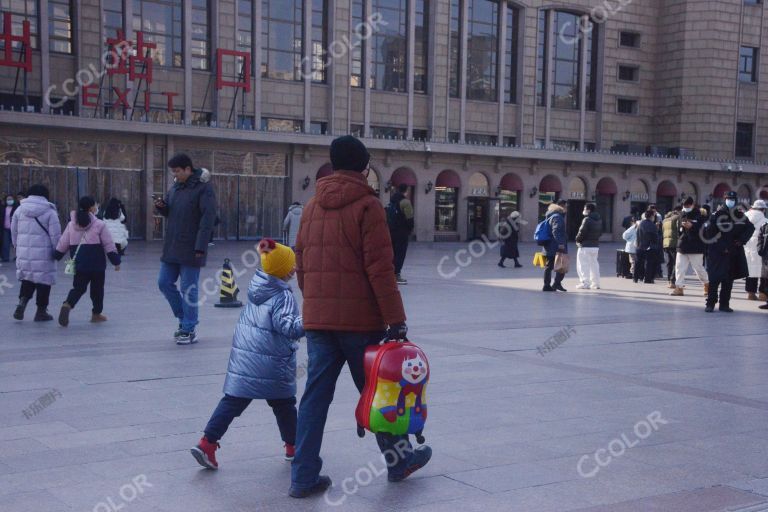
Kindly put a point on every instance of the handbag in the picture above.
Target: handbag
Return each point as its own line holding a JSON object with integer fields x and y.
{"x": 562, "y": 263}
{"x": 540, "y": 260}
{"x": 71, "y": 267}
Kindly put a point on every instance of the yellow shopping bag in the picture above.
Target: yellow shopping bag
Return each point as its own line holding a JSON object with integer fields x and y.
{"x": 540, "y": 260}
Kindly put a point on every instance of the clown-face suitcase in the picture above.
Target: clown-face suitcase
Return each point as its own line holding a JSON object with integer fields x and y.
{"x": 393, "y": 399}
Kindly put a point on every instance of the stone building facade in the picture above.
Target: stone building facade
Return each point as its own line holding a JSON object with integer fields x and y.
{"x": 481, "y": 106}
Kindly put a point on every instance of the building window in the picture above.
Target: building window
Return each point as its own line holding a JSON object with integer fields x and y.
{"x": 319, "y": 40}
{"x": 160, "y": 21}
{"x": 748, "y": 64}
{"x": 282, "y": 38}
{"x": 513, "y": 30}
{"x": 541, "y": 59}
{"x": 358, "y": 50}
{"x": 60, "y": 26}
{"x": 482, "y": 49}
{"x": 200, "y": 35}
{"x": 244, "y": 40}
{"x": 510, "y": 141}
{"x": 419, "y": 134}
{"x": 629, "y": 73}
{"x": 626, "y": 106}
{"x": 318, "y": 127}
{"x": 480, "y": 138}
{"x": 753, "y": 2}
{"x": 421, "y": 53}
{"x": 271, "y": 124}
{"x": 21, "y": 11}
{"x": 357, "y": 130}
{"x": 455, "y": 49}
{"x": 453, "y": 137}
{"x": 201, "y": 118}
{"x": 388, "y": 44}
{"x": 564, "y": 145}
{"x": 387, "y": 132}
{"x": 629, "y": 39}
{"x": 744, "y": 140}
{"x": 245, "y": 122}
{"x": 113, "y": 17}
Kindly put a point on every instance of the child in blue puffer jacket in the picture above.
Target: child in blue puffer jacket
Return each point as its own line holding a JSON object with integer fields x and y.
{"x": 262, "y": 363}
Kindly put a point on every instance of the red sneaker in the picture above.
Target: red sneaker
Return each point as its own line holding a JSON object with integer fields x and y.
{"x": 290, "y": 452}
{"x": 205, "y": 453}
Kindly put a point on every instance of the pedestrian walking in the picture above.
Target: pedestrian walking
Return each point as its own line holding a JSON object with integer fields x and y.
{"x": 190, "y": 210}
{"x": 345, "y": 269}
{"x": 557, "y": 244}
{"x": 588, "y": 243}
{"x": 630, "y": 237}
{"x": 114, "y": 219}
{"x": 262, "y": 362}
{"x": 292, "y": 222}
{"x": 35, "y": 232}
{"x": 763, "y": 251}
{"x": 6, "y": 215}
{"x": 648, "y": 244}
{"x": 726, "y": 233}
{"x": 400, "y": 222}
{"x": 509, "y": 247}
{"x": 670, "y": 227}
{"x": 755, "y": 284}
{"x": 87, "y": 240}
{"x": 690, "y": 247}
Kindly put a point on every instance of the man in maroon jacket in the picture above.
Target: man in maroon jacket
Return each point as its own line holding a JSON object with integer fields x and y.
{"x": 345, "y": 271}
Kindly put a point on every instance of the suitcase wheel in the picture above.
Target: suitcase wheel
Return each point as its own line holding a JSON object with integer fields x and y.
{"x": 419, "y": 438}
{"x": 360, "y": 431}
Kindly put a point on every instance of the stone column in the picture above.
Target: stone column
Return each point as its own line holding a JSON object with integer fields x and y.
{"x": 187, "y": 56}
{"x": 503, "y": 65}
{"x": 463, "y": 70}
{"x": 411, "y": 64}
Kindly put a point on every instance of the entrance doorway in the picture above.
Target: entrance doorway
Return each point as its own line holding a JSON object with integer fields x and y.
{"x": 478, "y": 209}
{"x": 249, "y": 207}
{"x": 574, "y": 217}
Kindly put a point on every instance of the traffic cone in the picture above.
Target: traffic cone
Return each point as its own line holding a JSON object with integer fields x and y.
{"x": 229, "y": 289}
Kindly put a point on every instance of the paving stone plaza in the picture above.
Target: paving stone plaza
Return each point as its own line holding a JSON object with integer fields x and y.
{"x": 638, "y": 401}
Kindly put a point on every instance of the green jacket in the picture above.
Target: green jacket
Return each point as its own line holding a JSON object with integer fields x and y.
{"x": 670, "y": 229}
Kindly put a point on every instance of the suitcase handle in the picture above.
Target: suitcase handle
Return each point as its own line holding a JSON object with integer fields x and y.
{"x": 385, "y": 340}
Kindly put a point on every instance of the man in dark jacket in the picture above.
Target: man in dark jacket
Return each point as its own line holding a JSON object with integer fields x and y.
{"x": 648, "y": 244}
{"x": 558, "y": 243}
{"x": 588, "y": 242}
{"x": 190, "y": 211}
{"x": 725, "y": 234}
{"x": 690, "y": 247}
{"x": 400, "y": 221}
{"x": 345, "y": 271}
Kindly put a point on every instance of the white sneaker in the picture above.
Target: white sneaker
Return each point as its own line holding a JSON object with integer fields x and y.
{"x": 583, "y": 287}
{"x": 595, "y": 287}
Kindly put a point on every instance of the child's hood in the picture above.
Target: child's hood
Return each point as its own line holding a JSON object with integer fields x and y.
{"x": 264, "y": 286}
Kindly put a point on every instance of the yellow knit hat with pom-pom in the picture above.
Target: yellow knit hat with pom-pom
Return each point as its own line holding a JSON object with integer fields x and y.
{"x": 276, "y": 259}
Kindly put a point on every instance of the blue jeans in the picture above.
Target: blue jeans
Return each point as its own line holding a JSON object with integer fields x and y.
{"x": 328, "y": 351}
{"x": 230, "y": 407}
{"x": 6, "y": 245}
{"x": 184, "y": 305}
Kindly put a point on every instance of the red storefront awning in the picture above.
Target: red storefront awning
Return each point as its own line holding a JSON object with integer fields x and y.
{"x": 666, "y": 189}
{"x": 720, "y": 190}
{"x": 448, "y": 179}
{"x": 607, "y": 187}
{"x": 511, "y": 182}
{"x": 404, "y": 175}
{"x": 550, "y": 184}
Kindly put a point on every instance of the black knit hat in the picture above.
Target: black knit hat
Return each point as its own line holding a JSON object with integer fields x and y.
{"x": 349, "y": 154}
{"x": 731, "y": 195}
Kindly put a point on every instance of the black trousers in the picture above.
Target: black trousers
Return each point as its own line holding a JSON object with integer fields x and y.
{"x": 230, "y": 407}
{"x": 725, "y": 293}
{"x": 80, "y": 285}
{"x": 548, "y": 272}
{"x": 28, "y": 289}
{"x": 752, "y": 285}
{"x": 399, "y": 247}
{"x": 671, "y": 257}
{"x": 646, "y": 265}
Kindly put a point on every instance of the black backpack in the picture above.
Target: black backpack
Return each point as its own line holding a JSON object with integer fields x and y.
{"x": 395, "y": 216}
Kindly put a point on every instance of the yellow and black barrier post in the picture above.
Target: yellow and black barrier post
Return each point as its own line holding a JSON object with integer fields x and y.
{"x": 229, "y": 289}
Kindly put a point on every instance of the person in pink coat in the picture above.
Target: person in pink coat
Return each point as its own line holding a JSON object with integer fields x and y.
{"x": 89, "y": 243}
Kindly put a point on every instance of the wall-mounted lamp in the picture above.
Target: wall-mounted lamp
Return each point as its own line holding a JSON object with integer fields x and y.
{"x": 626, "y": 195}
{"x": 534, "y": 191}
{"x": 682, "y": 195}
{"x": 498, "y": 191}
{"x": 428, "y": 187}
{"x": 305, "y": 183}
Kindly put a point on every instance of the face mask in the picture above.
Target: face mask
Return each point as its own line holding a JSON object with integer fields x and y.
{"x": 687, "y": 210}
{"x": 730, "y": 203}
{"x": 9, "y": 202}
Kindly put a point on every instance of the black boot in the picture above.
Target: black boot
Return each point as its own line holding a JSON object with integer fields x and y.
{"x": 19, "y": 313}
{"x": 42, "y": 315}
{"x": 501, "y": 263}
{"x": 517, "y": 264}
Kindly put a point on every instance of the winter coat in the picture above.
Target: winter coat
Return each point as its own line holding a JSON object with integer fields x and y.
{"x": 556, "y": 218}
{"x": 670, "y": 230}
{"x": 590, "y": 231}
{"x": 262, "y": 363}
{"x": 190, "y": 209}
{"x": 291, "y": 223}
{"x": 509, "y": 248}
{"x": 763, "y": 247}
{"x": 691, "y": 241}
{"x": 726, "y": 233}
{"x": 344, "y": 258}
{"x": 648, "y": 236}
{"x": 34, "y": 247}
{"x": 117, "y": 230}
{"x": 754, "y": 260}
{"x": 630, "y": 236}
{"x": 403, "y": 230}
{"x": 94, "y": 242}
